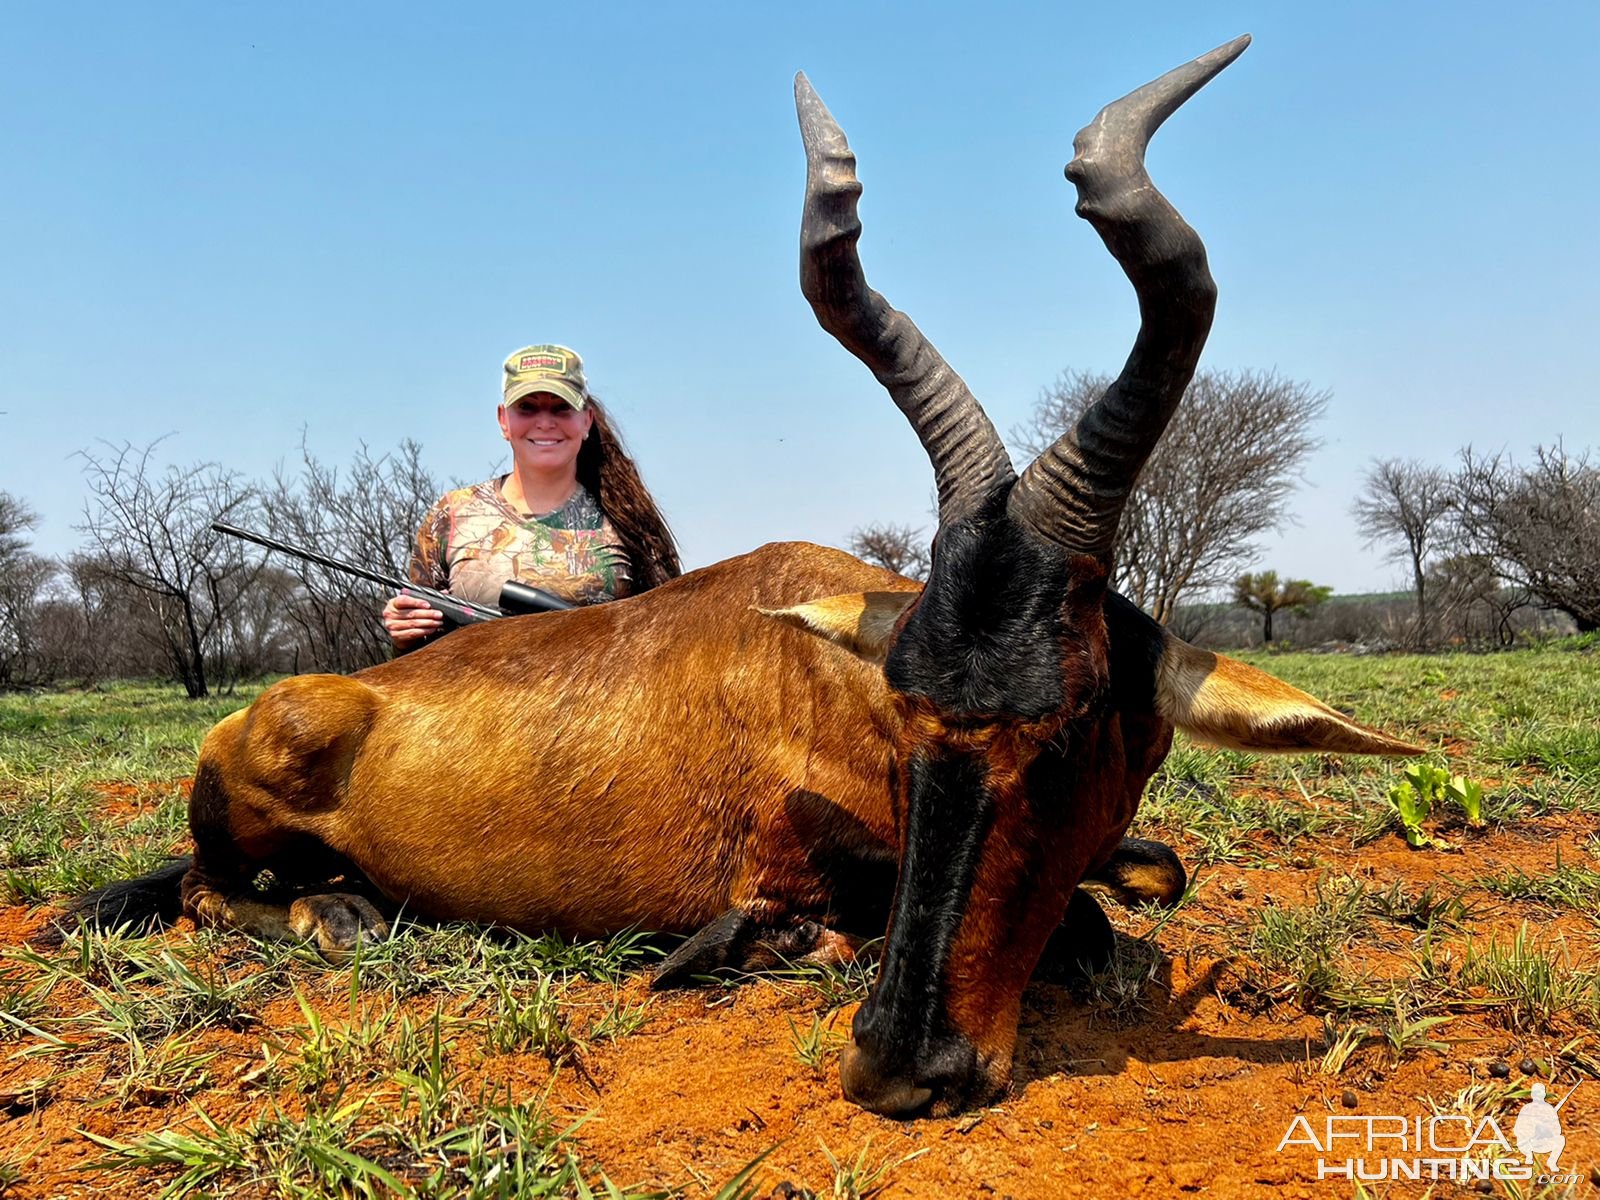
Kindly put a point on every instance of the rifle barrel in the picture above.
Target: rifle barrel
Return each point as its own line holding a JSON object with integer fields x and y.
{"x": 338, "y": 564}
{"x": 322, "y": 560}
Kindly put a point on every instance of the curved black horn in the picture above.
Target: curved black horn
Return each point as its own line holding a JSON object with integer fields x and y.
{"x": 1074, "y": 492}
{"x": 969, "y": 459}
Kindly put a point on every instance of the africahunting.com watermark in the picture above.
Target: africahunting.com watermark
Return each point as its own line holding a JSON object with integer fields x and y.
{"x": 1442, "y": 1146}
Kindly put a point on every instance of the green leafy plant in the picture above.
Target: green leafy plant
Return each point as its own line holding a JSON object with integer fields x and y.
{"x": 1426, "y": 786}
{"x": 1413, "y": 804}
{"x": 1468, "y": 793}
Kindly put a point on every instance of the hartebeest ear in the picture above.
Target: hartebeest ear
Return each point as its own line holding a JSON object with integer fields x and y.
{"x": 1220, "y": 700}
{"x": 861, "y": 622}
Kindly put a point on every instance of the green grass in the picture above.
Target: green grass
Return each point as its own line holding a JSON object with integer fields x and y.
{"x": 817, "y": 1043}
{"x": 375, "y": 1087}
{"x": 1119, "y": 991}
{"x": 1543, "y": 700}
{"x": 1304, "y": 947}
{"x": 1526, "y": 723}
{"x": 1425, "y": 909}
{"x": 863, "y": 1176}
{"x": 54, "y": 843}
{"x": 832, "y": 985}
{"x": 132, "y": 732}
{"x": 58, "y": 750}
{"x": 442, "y": 1142}
{"x": 1531, "y": 983}
{"x": 1311, "y": 953}
{"x": 1565, "y": 885}
{"x": 367, "y": 1094}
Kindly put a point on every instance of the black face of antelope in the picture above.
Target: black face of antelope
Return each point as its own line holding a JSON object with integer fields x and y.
{"x": 1036, "y": 702}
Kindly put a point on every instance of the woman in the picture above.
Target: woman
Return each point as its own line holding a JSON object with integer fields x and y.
{"x": 572, "y": 516}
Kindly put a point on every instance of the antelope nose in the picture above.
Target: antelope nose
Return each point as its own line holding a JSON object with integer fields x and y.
{"x": 884, "y": 1094}
{"x": 939, "y": 1075}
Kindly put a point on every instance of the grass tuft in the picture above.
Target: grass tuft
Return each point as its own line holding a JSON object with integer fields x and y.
{"x": 1532, "y": 986}
{"x": 1303, "y": 947}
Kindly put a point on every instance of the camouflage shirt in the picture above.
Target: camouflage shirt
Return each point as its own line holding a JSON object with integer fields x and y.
{"x": 472, "y": 541}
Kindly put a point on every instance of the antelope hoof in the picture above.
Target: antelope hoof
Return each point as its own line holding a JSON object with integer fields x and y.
{"x": 834, "y": 949}
{"x": 337, "y": 922}
{"x": 736, "y": 942}
{"x": 1081, "y": 947}
{"x": 1141, "y": 872}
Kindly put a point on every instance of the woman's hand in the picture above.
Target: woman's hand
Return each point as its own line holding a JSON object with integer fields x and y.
{"x": 409, "y": 620}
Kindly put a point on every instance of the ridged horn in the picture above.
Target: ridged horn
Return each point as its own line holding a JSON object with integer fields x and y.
{"x": 969, "y": 460}
{"x": 1073, "y": 494}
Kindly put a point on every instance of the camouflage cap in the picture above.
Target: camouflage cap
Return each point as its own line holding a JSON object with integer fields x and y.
{"x": 553, "y": 369}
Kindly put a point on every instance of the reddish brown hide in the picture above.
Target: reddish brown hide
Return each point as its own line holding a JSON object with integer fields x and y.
{"x": 1038, "y": 704}
{"x": 722, "y": 745}
{"x": 654, "y": 762}
{"x": 731, "y": 751}
{"x": 722, "y": 742}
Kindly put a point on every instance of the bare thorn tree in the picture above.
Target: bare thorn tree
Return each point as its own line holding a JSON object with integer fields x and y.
{"x": 898, "y": 547}
{"x": 150, "y": 531}
{"x": 16, "y": 523}
{"x": 1472, "y": 602}
{"x": 1406, "y": 507}
{"x": 1539, "y": 524}
{"x": 109, "y": 631}
{"x": 23, "y": 578}
{"x": 1219, "y": 478}
{"x": 368, "y": 513}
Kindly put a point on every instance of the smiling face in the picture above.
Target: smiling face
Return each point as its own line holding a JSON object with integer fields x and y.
{"x": 545, "y": 432}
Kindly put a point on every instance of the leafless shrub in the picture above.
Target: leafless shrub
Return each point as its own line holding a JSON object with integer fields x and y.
{"x": 1473, "y": 605}
{"x": 96, "y": 626}
{"x": 149, "y": 532}
{"x": 23, "y": 579}
{"x": 367, "y": 514}
{"x": 1538, "y": 525}
{"x": 1406, "y": 506}
{"x": 897, "y": 547}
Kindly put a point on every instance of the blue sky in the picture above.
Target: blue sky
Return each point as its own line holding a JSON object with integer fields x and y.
{"x": 230, "y": 222}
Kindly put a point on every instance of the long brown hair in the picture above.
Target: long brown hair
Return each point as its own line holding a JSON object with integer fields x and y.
{"x": 605, "y": 468}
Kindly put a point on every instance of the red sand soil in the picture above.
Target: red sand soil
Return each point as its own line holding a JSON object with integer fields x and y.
{"x": 122, "y": 802}
{"x": 1190, "y": 1096}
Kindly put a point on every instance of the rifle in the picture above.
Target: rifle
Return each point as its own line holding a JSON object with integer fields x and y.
{"x": 515, "y": 598}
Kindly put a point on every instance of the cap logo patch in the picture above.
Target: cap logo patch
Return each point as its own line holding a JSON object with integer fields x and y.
{"x": 531, "y": 362}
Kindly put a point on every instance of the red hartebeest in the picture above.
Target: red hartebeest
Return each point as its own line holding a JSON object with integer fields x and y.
{"x": 751, "y": 750}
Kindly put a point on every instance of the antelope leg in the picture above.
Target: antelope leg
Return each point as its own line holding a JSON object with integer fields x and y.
{"x": 736, "y": 942}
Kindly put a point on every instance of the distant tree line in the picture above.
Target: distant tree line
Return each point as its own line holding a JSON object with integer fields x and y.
{"x": 155, "y": 591}
{"x": 1492, "y": 549}
{"x": 1488, "y": 538}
